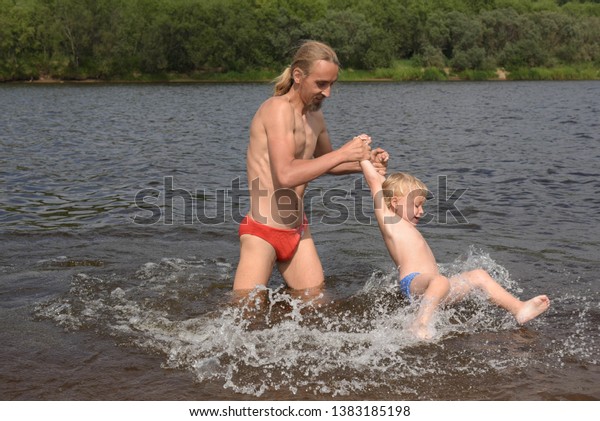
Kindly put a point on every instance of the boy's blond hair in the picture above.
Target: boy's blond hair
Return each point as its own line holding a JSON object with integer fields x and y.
{"x": 402, "y": 184}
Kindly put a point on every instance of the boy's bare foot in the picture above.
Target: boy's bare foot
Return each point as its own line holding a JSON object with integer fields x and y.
{"x": 532, "y": 308}
{"x": 423, "y": 332}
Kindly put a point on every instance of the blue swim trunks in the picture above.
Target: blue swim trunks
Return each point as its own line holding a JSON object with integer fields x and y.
{"x": 405, "y": 284}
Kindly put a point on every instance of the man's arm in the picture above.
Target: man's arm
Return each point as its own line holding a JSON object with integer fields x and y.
{"x": 324, "y": 147}
{"x": 290, "y": 171}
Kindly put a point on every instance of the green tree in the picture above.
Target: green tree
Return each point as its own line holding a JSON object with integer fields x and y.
{"x": 500, "y": 27}
{"x": 348, "y": 32}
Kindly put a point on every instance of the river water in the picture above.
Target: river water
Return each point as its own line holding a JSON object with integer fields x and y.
{"x": 118, "y": 221}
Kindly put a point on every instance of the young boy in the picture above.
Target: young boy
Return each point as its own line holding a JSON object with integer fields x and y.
{"x": 398, "y": 204}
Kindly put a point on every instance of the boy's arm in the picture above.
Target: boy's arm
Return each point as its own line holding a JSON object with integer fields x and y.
{"x": 375, "y": 181}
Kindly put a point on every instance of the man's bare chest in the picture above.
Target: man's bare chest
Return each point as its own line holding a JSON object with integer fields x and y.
{"x": 305, "y": 137}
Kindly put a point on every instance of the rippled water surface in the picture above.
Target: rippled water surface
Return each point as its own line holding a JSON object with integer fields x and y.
{"x": 118, "y": 218}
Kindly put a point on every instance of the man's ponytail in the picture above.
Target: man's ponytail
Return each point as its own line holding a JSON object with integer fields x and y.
{"x": 284, "y": 82}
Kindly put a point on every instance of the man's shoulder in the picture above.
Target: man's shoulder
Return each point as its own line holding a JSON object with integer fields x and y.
{"x": 277, "y": 103}
{"x": 274, "y": 109}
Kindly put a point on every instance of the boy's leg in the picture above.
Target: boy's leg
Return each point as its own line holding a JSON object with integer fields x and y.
{"x": 256, "y": 263}
{"x": 433, "y": 288}
{"x": 523, "y": 311}
{"x": 304, "y": 270}
{"x": 464, "y": 283}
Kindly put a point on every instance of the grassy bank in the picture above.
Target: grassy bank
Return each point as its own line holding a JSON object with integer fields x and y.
{"x": 404, "y": 71}
{"x": 400, "y": 72}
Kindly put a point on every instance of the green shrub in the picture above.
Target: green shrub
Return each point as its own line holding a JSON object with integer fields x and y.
{"x": 477, "y": 75}
{"x": 433, "y": 74}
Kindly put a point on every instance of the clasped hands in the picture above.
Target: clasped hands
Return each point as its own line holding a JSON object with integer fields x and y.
{"x": 378, "y": 156}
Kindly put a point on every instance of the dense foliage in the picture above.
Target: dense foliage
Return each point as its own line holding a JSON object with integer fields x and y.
{"x": 120, "y": 38}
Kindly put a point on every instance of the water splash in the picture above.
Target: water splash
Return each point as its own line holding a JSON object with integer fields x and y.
{"x": 274, "y": 343}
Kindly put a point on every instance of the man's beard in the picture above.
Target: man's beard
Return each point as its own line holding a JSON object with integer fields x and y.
{"x": 315, "y": 106}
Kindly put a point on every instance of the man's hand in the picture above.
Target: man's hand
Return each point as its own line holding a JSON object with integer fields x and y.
{"x": 358, "y": 148}
{"x": 379, "y": 158}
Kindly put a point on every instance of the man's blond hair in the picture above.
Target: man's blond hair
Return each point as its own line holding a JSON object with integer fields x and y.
{"x": 306, "y": 55}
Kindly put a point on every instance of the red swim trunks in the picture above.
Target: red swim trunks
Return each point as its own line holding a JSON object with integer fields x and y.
{"x": 284, "y": 241}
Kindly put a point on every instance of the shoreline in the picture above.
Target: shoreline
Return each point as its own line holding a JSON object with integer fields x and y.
{"x": 402, "y": 74}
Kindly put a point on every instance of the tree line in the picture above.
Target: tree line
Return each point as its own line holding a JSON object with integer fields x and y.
{"x": 108, "y": 39}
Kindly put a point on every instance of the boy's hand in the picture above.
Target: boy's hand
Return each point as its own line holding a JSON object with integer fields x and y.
{"x": 379, "y": 159}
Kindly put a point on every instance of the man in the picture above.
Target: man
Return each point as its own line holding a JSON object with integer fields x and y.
{"x": 289, "y": 146}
